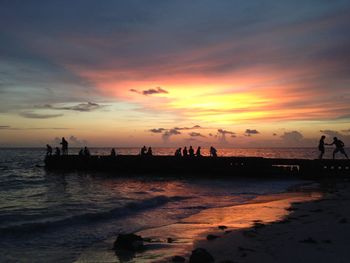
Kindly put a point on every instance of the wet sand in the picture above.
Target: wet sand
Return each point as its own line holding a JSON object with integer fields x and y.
{"x": 316, "y": 231}
{"x": 299, "y": 226}
{"x": 180, "y": 238}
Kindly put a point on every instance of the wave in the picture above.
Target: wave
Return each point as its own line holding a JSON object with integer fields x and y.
{"x": 90, "y": 218}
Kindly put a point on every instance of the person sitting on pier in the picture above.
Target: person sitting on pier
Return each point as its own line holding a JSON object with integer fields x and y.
{"x": 81, "y": 152}
{"x": 86, "y": 151}
{"x": 185, "y": 152}
{"x": 48, "y": 150}
{"x": 57, "y": 151}
{"x": 143, "y": 150}
{"x": 149, "y": 152}
{"x": 321, "y": 147}
{"x": 178, "y": 152}
{"x": 339, "y": 147}
{"x": 191, "y": 151}
{"x": 113, "y": 153}
{"x": 198, "y": 152}
{"x": 213, "y": 152}
{"x": 64, "y": 144}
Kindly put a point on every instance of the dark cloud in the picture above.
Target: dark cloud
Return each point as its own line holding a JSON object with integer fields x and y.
{"x": 224, "y": 132}
{"x": 196, "y": 134}
{"x": 274, "y": 134}
{"x": 157, "y": 90}
{"x": 168, "y": 133}
{"x": 188, "y": 128}
{"x": 84, "y": 107}
{"x": 4, "y": 127}
{"x": 292, "y": 138}
{"x": 33, "y": 115}
{"x": 222, "y": 135}
{"x": 158, "y": 130}
{"x": 249, "y": 132}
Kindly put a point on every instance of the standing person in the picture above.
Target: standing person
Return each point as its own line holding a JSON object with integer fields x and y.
{"x": 185, "y": 152}
{"x": 48, "y": 150}
{"x": 321, "y": 147}
{"x": 64, "y": 144}
{"x": 213, "y": 152}
{"x": 198, "y": 152}
{"x": 339, "y": 147}
{"x": 149, "y": 152}
{"x": 113, "y": 153}
{"x": 191, "y": 151}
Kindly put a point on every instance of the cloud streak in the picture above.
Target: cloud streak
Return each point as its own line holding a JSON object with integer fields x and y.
{"x": 157, "y": 90}
{"x": 33, "y": 115}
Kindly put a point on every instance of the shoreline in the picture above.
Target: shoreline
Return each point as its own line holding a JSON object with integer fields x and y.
{"x": 313, "y": 231}
{"x": 181, "y": 237}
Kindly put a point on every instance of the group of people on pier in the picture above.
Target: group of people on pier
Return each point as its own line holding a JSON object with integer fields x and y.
{"x": 339, "y": 147}
{"x": 190, "y": 152}
{"x": 64, "y": 143}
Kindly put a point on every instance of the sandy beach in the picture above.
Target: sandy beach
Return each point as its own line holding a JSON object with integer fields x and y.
{"x": 314, "y": 231}
{"x": 307, "y": 224}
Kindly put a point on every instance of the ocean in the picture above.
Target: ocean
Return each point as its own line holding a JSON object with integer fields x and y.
{"x": 55, "y": 216}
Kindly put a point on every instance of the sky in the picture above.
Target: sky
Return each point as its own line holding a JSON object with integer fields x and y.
{"x": 228, "y": 73}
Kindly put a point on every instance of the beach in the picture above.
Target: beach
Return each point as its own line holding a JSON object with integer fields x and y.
{"x": 307, "y": 225}
{"x": 313, "y": 231}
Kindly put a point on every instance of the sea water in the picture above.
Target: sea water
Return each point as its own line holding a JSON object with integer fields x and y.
{"x": 54, "y": 216}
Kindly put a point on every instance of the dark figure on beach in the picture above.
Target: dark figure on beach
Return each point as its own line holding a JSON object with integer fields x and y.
{"x": 57, "y": 151}
{"x": 198, "y": 152}
{"x": 64, "y": 144}
{"x": 178, "y": 152}
{"x": 191, "y": 151}
{"x": 48, "y": 150}
{"x": 86, "y": 151}
{"x": 213, "y": 152}
{"x": 143, "y": 150}
{"x": 185, "y": 152}
{"x": 149, "y": 152}
{"x": 339, "y": 147}
{"x": 81, "y": 152}
{"x": 113, "y": 153}
{"x": 321, "y": 147}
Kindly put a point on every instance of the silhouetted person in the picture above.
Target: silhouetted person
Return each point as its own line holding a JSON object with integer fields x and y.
{"x": 213, "y": 152}
{"x": 64, "y": 144}
{"x": 198, "y": 152}
{"x": 113, "y": 153}
{"x": 81, "y": 152}
{"x": 48, "y": 150}
{"x": 321, "y": 147}
{"x": 149, "y": 152}
{"x": 185, "y": 152}
{"x": 178, "y": 152}
{"x": 86, "y": 151}
{"x": 57, "y": 151}
{"x": 191, "y": 151}
{"x": 143, "y": 150}
{"x": 339, "y": 147}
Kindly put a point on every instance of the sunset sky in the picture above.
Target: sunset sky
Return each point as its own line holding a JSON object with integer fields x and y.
{"x": 174, "y": 72}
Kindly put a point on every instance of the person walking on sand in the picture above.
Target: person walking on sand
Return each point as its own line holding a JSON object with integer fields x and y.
{"x": 321, "y": 147}
{"x": 339, "y": 147}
